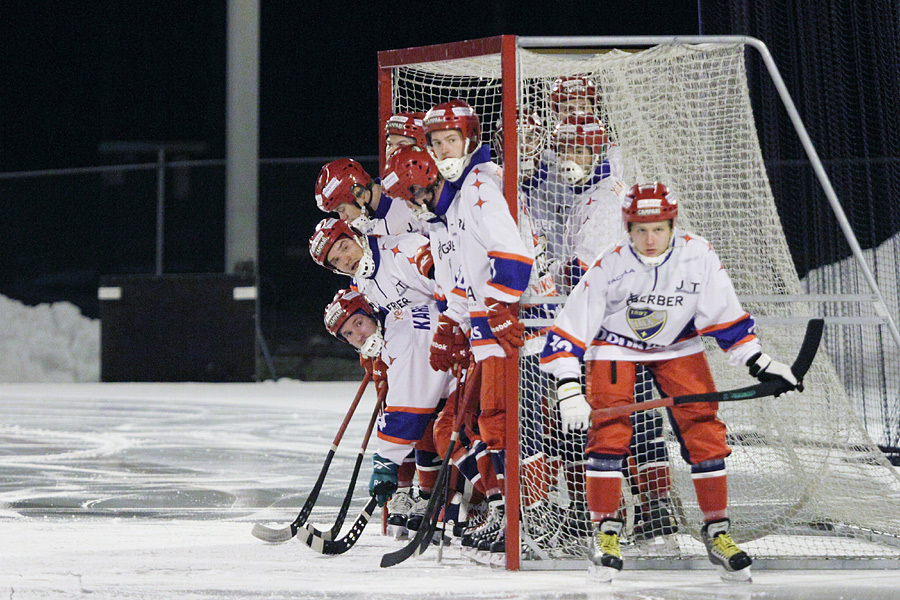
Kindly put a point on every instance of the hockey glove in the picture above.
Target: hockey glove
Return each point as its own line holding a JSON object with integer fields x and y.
{"x": 377, "y": 370}
{"x": 574, "y": 410}
{"x": 765, "y": 369}
{"x": 425, "y": 262}
{"x": 384, "y": 479}
{"x": 505, "y": 325}
{"x": 449, "y": 345}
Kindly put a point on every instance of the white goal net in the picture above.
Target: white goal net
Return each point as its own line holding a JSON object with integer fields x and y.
{"x": 806, "y": 481}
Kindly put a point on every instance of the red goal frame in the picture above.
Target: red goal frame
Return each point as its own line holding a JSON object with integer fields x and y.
{"x": 505, "y": 46}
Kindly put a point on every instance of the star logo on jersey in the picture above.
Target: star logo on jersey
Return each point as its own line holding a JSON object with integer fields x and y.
{"x": 645, "y": 322}
{"x": 396, "y": 250}
{"x": 479, "y": 203}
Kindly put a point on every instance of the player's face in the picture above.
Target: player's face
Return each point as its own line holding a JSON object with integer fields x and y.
{"x": 580, "y": 155}
{"x": 651, "y": 239}
{"x": 357, "y": 329}
{"x": 348, "y": 211}
{"x": 395, "y": 142}
{"x": 421, "y": 197}
{"x": 448, "y": 143}
{"x": 345, "y": 255}
{"x": 577, "y": 104}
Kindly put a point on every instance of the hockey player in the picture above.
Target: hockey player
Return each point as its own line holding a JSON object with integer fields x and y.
{"x": 577, "y": 93}
{"x": 403, "y": 129}
{"x": 646, "y": 301}
{"x": 585, "y": 184}
{"x": 495, "y": 263}
{"x": 384, "y": 270}
{"x": 345, "y": 188}
{"x": 413, "y": 388}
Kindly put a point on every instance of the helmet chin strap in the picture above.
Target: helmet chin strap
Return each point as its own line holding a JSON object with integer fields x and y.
{"x": 451, "y": 168}
{"x": 366, "y": 267}
{"x": 653, "y": 261}
{"x": 374, "y": 343}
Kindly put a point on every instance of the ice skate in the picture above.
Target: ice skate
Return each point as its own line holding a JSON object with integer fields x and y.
{"x": 416, "y": 513}
{"x": 398, "y": 511}
{"x": 656, "y": 518}
{"x": 605, "y": 555}
{"x": 732, "y": 563}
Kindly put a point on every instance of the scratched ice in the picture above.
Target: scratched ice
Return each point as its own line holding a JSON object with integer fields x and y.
{"x": 150, "y": 491}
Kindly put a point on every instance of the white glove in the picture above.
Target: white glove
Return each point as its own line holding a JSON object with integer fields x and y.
{"x": 573, "y": 408}
{"x": 765, "y": 369}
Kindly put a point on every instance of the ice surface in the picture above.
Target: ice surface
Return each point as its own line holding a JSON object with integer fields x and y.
{"x": 150, "y": 491}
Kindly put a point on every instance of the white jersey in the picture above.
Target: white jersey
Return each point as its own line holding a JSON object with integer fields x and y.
{"x": 577, "y": 221}
{"x": 625, "y": 310}
{"x": 393, "y": 217}
{"x": 494, "y": 260}
{"x": 450, "y": 293}
{"x": 396, "y": 282}
{"x": 414, "y": 388}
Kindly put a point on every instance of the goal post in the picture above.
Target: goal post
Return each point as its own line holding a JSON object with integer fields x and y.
{"x": 807, "y": 481}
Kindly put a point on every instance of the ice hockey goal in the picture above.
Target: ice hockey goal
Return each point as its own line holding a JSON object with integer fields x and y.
{"x": 806, "y": 480}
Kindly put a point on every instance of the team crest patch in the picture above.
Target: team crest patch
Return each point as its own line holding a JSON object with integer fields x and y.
{"x": 645, "y": 322}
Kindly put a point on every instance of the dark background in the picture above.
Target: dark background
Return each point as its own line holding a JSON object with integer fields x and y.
{"x": 76, "y": 75}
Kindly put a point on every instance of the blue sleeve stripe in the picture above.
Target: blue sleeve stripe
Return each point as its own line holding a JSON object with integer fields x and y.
{"x": 728, "y": 336}
{"x": 509, "y": 274}
{"x": 404, "y": 425}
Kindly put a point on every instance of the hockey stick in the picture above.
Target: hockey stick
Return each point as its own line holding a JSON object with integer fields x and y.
{"x": 269, "y": 534}
{"x": 767, "y": 388}
{"x": 420, "y": 542}
{"x": 313, "y": 535}
{"x": 315, "y": 540}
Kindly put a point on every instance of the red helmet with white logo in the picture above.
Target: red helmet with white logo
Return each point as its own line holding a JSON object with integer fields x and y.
{"x": 571, "y": 88}
{"x": 407, "y": 124}
{"x": 335, "y": 183}
{"x": 345, "y": 304}
{"x": 456, "y": 114}
{"x": 580, "y": 129}
{"x": 327, "y": 233}
{"x": 409, "y": 166}
{"x": 648, "y": 203}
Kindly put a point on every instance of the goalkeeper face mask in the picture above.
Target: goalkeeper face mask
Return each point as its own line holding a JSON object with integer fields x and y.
{"x": 577, "y": 164}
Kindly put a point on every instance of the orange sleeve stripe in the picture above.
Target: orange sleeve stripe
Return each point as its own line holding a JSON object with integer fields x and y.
{"x": 511, "y": 256}
{"x": 566, "y": 336}
{"x": 394, "y": 440}
{"x": 744, "y": 340}
{"x": 409, "y": 409}
{"x": 506, "y": 290}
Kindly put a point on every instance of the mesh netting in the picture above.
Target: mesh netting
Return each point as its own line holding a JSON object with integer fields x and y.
{"x": 805, "y": 479}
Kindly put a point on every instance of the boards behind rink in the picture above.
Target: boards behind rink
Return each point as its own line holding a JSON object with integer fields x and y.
{"x": 808, "y": 485}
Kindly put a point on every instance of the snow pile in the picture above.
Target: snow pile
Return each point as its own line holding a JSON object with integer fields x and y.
{"x": 51, "y": 343}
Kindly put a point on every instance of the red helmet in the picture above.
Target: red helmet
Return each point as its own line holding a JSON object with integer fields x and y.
{"x": 529, "y": 123}
{"x": 335, "y": 183}
{"x": 580, "y": 129}
{"x": 345, "y": 304}
{"x": 407, "y": 167}
{"x": 570, "y": 88}
{"x": 407, "y": 124}
{"x": 456, "y": 114}
{"x": 327, "y": 233}
{"x": 648, "y": 203}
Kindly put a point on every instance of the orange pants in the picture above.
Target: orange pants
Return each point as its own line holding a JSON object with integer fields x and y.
{"x": 499, "y": 380}
{"x": 611, "y": 383}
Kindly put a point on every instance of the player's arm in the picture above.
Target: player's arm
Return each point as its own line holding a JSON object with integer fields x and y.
{"x": 721, "y": 316}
